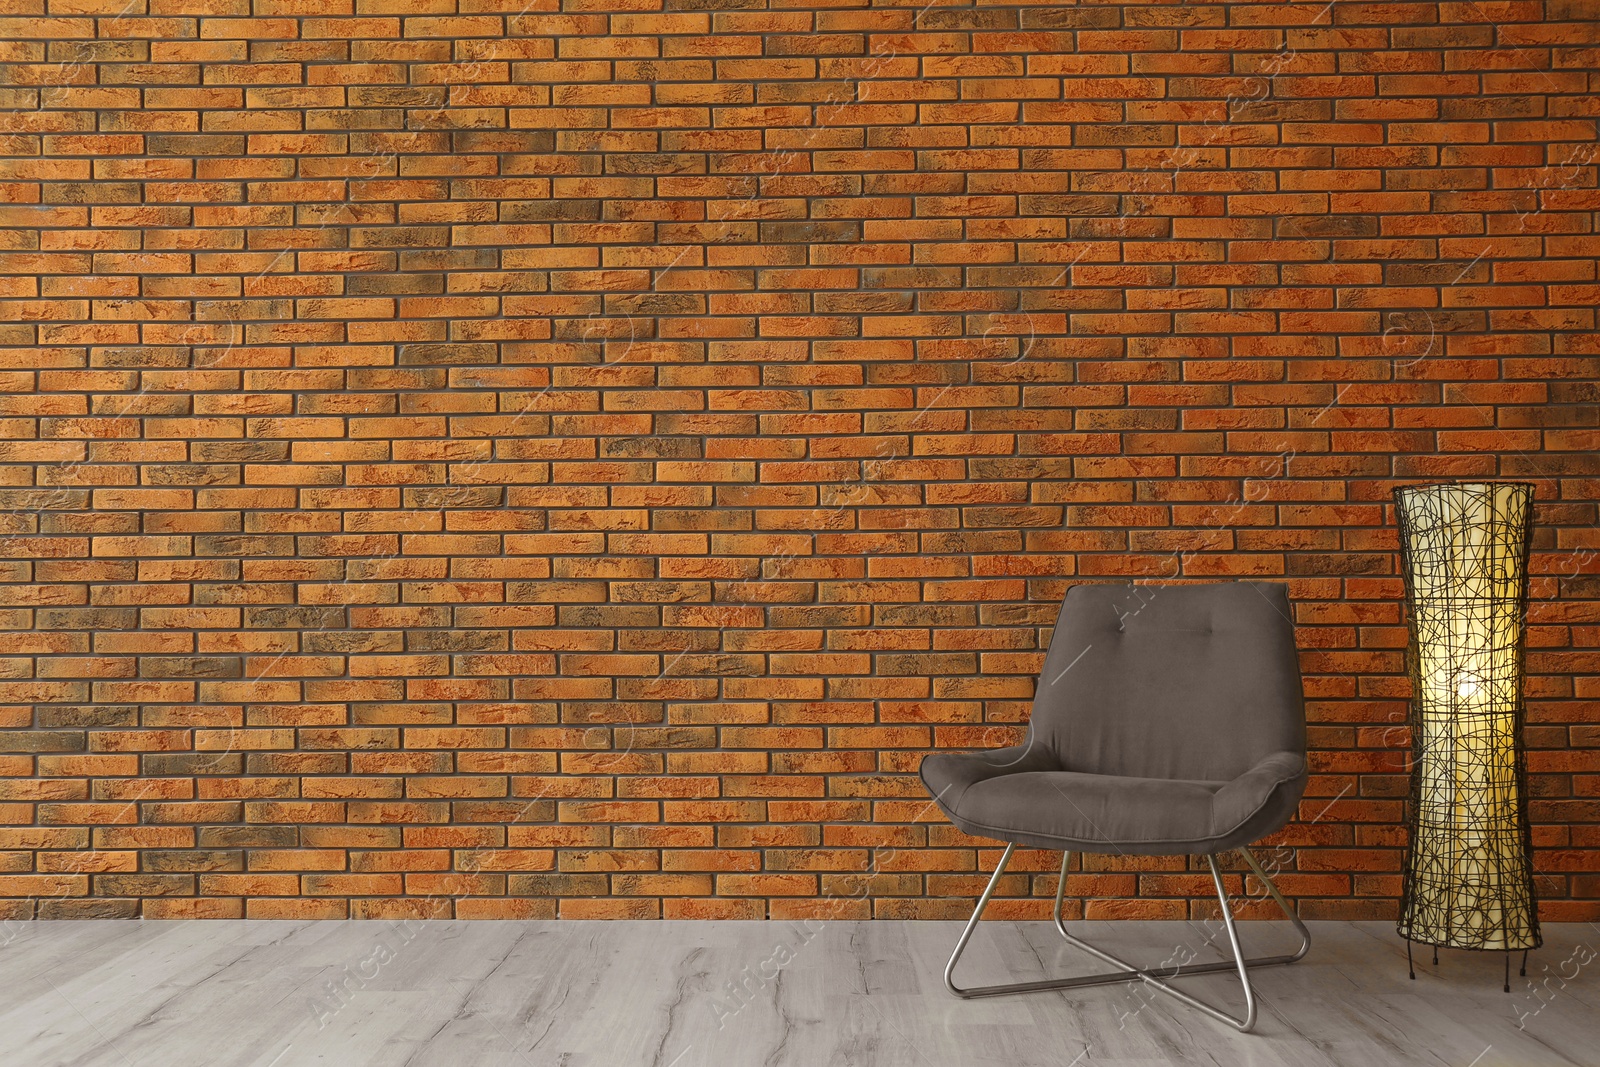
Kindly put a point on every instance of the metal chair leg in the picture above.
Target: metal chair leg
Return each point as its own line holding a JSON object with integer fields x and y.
{"x": 1157, "y": 977}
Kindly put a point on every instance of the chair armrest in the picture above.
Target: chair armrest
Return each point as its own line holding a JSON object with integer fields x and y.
{"x": 1279, "y": 778}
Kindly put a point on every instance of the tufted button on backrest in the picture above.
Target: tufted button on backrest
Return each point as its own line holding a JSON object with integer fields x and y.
{"x": 1171, "y": 681}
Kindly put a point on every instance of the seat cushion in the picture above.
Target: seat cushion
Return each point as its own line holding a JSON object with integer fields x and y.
{"x": 1020, "y": 795}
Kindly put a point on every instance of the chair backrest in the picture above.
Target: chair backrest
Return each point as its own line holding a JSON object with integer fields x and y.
{"x": 1171, "y": 681}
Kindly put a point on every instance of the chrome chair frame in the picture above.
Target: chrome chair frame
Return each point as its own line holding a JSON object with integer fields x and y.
{"x": 1156, "y": 977}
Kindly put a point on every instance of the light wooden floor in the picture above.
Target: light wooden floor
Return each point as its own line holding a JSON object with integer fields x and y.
{"x": 664, "y": 994}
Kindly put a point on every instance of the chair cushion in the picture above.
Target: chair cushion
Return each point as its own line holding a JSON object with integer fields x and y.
{"x": 1020, "y": 794}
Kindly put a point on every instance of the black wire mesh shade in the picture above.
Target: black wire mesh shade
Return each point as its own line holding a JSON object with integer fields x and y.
{"x": 1468, "y": 872}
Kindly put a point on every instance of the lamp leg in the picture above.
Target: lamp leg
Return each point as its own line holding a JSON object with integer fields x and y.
{"x": 1412, "y": 971}
{"x": 1524, "y": 971}
{"x": 1436, "y": 955}
{"x": 1508, "y": 971}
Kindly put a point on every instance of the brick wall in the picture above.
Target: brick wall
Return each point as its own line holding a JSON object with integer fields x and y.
{"x": 464, "y": 457}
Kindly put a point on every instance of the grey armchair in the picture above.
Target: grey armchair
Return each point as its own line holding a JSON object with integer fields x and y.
{"x": 1168, "y": 720}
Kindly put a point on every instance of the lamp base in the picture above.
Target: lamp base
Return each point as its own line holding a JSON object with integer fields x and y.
{"x": 1511, "y": 937}
{"x": 1411, "y": 970}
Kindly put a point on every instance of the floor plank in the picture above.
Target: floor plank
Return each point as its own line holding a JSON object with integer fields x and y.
{"x": 682, "y": 994}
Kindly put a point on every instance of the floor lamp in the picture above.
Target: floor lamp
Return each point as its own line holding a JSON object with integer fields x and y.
{"x": 1468, "y": 870}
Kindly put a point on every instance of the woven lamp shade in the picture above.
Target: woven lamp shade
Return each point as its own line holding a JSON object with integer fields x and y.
{"x": 1468, "y": 870}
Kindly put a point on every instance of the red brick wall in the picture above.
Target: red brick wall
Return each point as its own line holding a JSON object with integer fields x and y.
{"x": 466, "y": 458}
